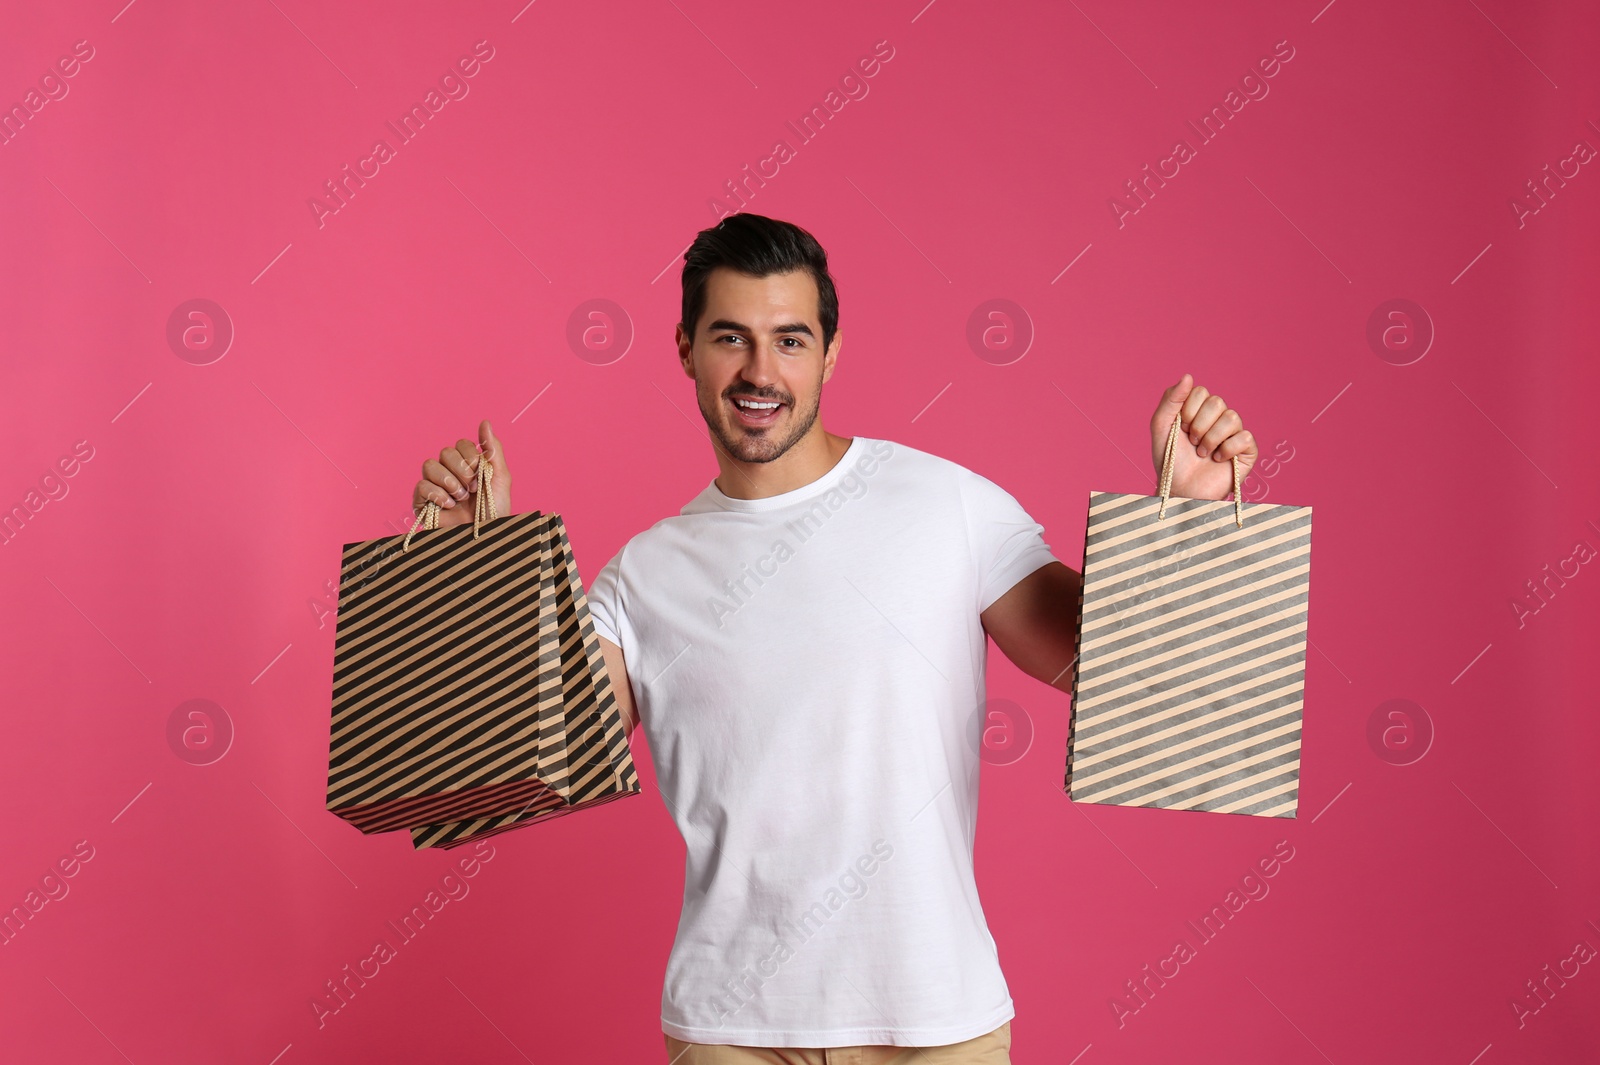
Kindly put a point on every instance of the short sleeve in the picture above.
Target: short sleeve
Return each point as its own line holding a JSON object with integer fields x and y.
{"x": 605, "y": 601}
{"x": 1007, "y": 544}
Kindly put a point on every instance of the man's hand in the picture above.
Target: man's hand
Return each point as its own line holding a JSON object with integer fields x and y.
{"x": 1214, "y": 434}
{"x": 453, "y": 478}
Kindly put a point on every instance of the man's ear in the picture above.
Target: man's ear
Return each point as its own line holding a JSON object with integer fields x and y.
{"x": 831, "y": 356}
{"x": 685, "y": 350}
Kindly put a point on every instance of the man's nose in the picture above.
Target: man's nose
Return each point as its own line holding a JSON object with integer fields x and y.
{"x": 761, "y": 366}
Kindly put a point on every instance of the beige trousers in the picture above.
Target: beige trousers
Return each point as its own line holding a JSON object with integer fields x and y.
{"x": 993, "y": 1048}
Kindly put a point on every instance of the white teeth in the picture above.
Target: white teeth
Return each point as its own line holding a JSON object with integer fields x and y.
{"x": 753, "y": 405}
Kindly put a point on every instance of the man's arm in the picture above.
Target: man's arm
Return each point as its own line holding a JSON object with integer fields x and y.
{"x": 1036, "y": 623}
{"x": 617, "y": 669}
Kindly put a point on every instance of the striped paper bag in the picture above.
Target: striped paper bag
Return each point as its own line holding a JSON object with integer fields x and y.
{"x": 1191, "y": 652}
{"x": 445, "y": 703}
{"x": 598, "y": 764}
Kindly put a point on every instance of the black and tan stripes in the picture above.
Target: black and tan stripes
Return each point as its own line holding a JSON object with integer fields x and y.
{"x": 1191, "y": 656}
{"x": 599, "y": 766}
{"x": 461, "y": 686}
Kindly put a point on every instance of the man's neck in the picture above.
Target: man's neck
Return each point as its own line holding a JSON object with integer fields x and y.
{"x": 810, "y": 458}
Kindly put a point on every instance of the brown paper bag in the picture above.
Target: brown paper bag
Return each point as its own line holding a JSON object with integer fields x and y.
{"x": 1191, "y": 653}
{"x": 443, "y": 700}
{"x": 599, "y": 766}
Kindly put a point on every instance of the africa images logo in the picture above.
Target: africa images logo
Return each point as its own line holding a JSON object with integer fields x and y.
{"x": 852, "y": 485}
{"x": 454, "y": 84}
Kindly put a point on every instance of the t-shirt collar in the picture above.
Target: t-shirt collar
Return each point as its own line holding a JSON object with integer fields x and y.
{"x": 714, "y": 497}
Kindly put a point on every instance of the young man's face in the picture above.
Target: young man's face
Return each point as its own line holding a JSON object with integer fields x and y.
{"x": 759, "y": 340}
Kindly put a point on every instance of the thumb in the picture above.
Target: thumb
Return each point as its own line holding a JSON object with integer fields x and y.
{"x": 1171, "y": 403}
{"x": 489, "y": 444}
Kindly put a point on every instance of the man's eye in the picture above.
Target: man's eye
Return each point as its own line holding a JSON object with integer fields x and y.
{"x": 793, "y": 340}
{"x": 730, "y": 336}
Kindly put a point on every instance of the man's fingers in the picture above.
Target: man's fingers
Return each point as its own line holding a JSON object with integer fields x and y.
{"x": 1237, "y": 444}
{"x": 468, "y": 450}
{"x": 426, "y": 491}
{"x": 1205, "y": 417}
{"x": 1227, "y": 423}
{"x": 1191, "y": 406}
{"x": 437, "y": 472}
{"x": 453, "y": 460}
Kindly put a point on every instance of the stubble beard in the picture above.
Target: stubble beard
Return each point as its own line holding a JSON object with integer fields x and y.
{"x": 758, "y": 445}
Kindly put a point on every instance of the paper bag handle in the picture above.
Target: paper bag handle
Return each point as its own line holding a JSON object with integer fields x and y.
{"x": 483, "y": 506}
{"x": 1166, "y": 477}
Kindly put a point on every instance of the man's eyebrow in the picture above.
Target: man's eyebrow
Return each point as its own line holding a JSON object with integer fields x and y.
{"x": 738, "y": 327}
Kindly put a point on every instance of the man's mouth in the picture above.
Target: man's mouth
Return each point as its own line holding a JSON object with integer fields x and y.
{"x": 756, "y": 412}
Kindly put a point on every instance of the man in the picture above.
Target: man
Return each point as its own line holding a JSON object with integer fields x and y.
{"x": 804, "y": 645}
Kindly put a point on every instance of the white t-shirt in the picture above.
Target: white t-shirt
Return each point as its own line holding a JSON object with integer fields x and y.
{"x": 809, "y": 673}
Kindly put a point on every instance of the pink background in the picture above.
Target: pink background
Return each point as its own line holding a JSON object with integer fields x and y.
{"x": 191, "y": 556}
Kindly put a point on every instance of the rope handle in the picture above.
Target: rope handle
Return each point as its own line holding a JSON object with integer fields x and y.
{"x": 1166, "y": 477}
{"x": 483, "y": 508}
